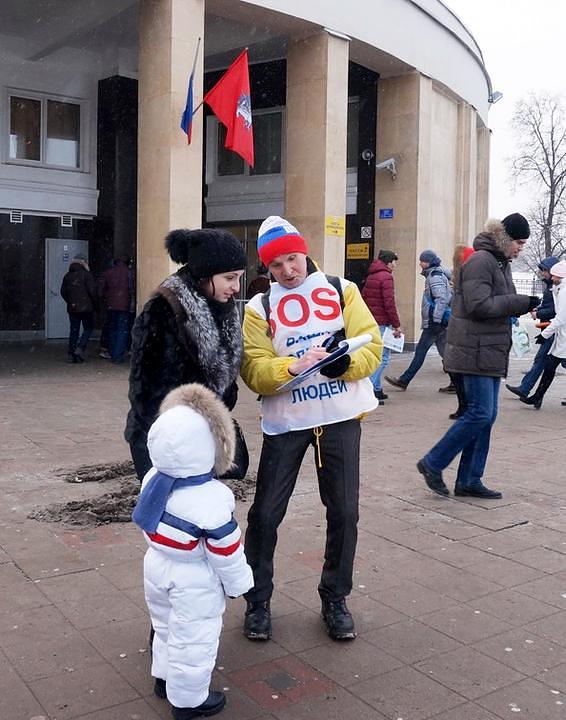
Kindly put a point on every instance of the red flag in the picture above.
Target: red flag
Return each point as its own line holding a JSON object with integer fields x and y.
{"x": 230, "y": 101}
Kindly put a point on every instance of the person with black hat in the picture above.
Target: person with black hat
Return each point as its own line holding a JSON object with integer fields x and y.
{"x": 379, "y": 294}
{"x": 477, "y": 346}
{"x": 435, "y": 305}
{"x": 188, "y": 331}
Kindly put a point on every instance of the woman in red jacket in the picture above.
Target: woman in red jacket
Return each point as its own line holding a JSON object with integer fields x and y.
{"x": 379, "y": 294}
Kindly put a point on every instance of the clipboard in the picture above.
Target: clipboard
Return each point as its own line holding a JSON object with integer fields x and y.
{"x": 344, "y": 347}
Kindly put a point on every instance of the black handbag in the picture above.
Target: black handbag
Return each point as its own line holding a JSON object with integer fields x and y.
{"x": 241, "y": 458}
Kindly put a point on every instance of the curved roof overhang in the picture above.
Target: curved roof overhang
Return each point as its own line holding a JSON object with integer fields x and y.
{"x": 391, "y": 37}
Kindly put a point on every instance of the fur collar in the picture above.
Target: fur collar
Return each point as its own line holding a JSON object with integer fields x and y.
{"x": 501, "y": 242}
{"x": 216, "y": 336}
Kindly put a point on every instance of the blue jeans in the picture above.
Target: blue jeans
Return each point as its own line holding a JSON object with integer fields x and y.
{"x": 386, "y": 356}
{"x": 118, "y": 329}
{"x": 470, "y": 434}
{"x": 429, "y": 336}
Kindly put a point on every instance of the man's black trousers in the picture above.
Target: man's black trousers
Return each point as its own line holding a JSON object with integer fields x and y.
{"x": 338, "y": 482}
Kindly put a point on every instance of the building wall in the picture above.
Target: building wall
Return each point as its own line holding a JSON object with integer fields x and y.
{"x": 433, "y": 128}
{"x": 39, "y": 189}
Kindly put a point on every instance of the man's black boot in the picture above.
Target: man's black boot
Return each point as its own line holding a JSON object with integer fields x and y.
{"x": 257, "y": 621}
{"x": 213, "y": 704}
{"x": 338, "y": 620}
{"x": 516, "y": 390}
{"x": 477, "y": 491}
{"x": 433, "y": 479}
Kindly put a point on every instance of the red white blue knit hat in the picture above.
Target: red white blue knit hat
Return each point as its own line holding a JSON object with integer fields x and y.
{"x": 277, "y": 237}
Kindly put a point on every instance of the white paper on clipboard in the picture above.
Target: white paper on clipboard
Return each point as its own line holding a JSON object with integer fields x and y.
{"x": 390, "y": 341}
{"x": 344, "y": 346}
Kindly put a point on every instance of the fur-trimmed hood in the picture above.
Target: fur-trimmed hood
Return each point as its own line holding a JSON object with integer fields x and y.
{"x": 180, "y": 442}
{"x": 494, "y": 239}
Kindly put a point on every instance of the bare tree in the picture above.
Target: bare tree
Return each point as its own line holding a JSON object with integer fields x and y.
{"x": 539, "y": 124}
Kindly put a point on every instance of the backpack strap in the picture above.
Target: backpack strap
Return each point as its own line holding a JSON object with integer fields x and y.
{"x": 334, "y": 280}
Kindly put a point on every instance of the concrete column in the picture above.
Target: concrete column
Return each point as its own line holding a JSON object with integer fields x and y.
{"x": 398, "y": 137}
{"x": 482, "y": 179}
{"x": 315, "y": 168}
{"x": 467, "y": 174}
{"x": 169, "y": 171}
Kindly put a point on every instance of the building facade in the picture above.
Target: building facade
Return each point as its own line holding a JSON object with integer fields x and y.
{"x": 370, "y": 128}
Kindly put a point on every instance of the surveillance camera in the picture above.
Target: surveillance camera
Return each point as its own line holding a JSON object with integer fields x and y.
{"x": 386, "y": 164}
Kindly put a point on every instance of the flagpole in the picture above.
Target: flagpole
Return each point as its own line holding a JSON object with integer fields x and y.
{"x": 196, "y": 55}
{"x": 202, "y": 101}
{"x": 193, "y": 72}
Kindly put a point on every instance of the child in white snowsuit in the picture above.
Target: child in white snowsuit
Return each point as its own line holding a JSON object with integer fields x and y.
{"x": 195, "y": 557}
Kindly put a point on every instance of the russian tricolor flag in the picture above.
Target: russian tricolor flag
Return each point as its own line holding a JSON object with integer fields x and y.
{"x": 187, "y": 119}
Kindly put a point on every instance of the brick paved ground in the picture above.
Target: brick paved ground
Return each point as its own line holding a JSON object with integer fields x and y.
{"x": 460, "y": 605}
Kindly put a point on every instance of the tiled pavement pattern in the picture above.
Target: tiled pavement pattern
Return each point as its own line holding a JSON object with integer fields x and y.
{"x": 460, "y": 605}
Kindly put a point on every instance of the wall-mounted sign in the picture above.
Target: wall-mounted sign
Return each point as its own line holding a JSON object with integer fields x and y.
{"x": 385, "y": 213}
{"x": 335, "y": 225}
{"x": 365, "y": 232}
{"x": 357, "y": 251}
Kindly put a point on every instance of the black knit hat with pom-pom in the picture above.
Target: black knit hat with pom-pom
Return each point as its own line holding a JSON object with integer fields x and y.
{"x": 206, "y": 252}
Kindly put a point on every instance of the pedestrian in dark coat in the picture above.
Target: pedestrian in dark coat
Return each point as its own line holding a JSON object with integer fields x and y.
{"x": 477, "y": 346}
{"x": 189, "y": 331}
{"x": 78, "y": 290}
{"x": 115, "y": 293}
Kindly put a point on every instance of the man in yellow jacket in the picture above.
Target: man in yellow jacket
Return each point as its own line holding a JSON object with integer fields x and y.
{"x": 286, "y": 331}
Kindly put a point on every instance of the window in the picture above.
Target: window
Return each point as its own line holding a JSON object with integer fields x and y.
{"x": 268, "y": 133}
{"x": 25, "y": 129}
{"x": 45, "y": 131}
{"x": 63, "y": 134}
{"x": 229, "y": 162}
{"x": 267, "y": 142}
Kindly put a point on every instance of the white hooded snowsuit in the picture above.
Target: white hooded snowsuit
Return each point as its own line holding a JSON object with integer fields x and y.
{"x": 194, "y": 559}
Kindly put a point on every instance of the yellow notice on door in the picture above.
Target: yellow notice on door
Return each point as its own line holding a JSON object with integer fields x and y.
{"x": 357, "y": 251}
{"x": 335, "y": 225}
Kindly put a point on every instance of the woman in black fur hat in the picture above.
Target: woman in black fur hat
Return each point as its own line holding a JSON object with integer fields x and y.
{"x": 188, "y": 331}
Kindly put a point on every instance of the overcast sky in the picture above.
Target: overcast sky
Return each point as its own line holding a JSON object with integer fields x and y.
{"x": 524, "y": 48}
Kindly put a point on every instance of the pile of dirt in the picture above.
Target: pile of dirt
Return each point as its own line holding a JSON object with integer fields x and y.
{"x": 117, "y": 504}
